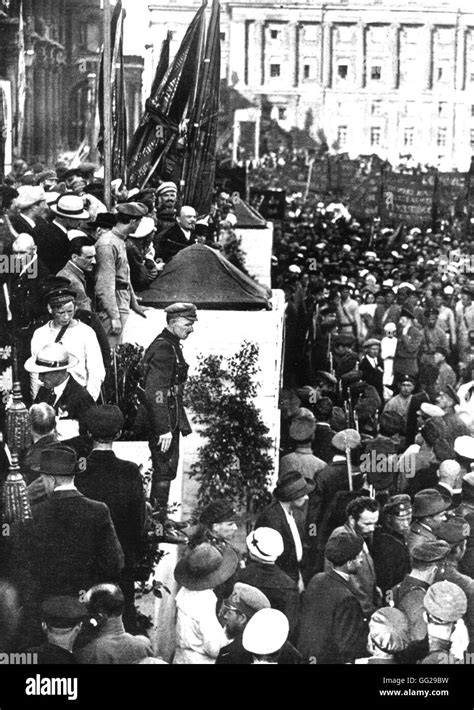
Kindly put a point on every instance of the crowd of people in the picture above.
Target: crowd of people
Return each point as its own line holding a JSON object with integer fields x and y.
{"x": 365, "y": 554}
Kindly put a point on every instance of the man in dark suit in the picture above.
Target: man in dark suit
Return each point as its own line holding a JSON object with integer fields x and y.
{"x": 179, "y": 236}
{"x": 371, "y": 365}
{"x": 323, "y": 433}
{"x": 51, "y": 237}
{"x": 285, "y": 516}
{"x": 164, "y": 375}
{"x": 332, "y": 625}
{"x": 117, "y": 483}
{"x": 30, "y": 203}
{"x": 69, "y": 545}
{"x": 59, "y": 389}
{"x": 409, "y": 339}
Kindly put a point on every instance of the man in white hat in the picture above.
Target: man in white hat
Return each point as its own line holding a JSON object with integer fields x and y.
{"x": 30, "y": 205}
{"x": 265, "y": 545}
{"x": 59, "y": 389}
{"x": 143, "y": 269}
{"x": 52, "y": 237}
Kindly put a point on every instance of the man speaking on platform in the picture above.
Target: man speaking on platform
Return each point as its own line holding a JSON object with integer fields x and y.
{"x": 165, "y": 372}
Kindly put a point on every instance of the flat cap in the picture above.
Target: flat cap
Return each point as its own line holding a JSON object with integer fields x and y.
{"x": 389, "y": 629}
{"x": 370, "y": 342}
{"x": 323, "y": 376}
{"x": 166, "y": 187}
{"x": 29, "y": 195}
{"x": 58, "y": 296}
{"x": 219, "y": 511}
{"x": 454, "y": 530}
{"x": 345, "y": 339}
{"x": 132, "y": 209}
{"x": 343, "y": 546}
{"x": 265, "y": 543}
{"x": 306, "y": 394}
{"x": 104, "y": 421}
{"x": 430, "y": 550}
{"x": 248, "y": 599}
{"x": 63, "y": 611}
{"x": 464, "y": 447}
{"x": 346, "y": 438}
{"x": 182, "y": 310}
{"x": 266, "y": 632}
{"x": 445, "y": 601}
{"x": 303, "y": 425}
{"x": 399, "y": 505}
{"x": 429, "y": 502}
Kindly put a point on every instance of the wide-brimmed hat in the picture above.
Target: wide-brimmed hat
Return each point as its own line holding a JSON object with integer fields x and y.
{"x": 205, "y": 567}
{"x": 50, "y": 358}
{"x": 70, "y": 206}
{"x": 302, "y": 425}
{"x": 429, "y": 502}
{"x": 293, "y": 485}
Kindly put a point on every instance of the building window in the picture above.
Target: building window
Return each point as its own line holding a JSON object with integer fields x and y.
{"x": 274, "y": 70}
{"x": 472, "y": 110}
{"x": 342, "y": 70}
{"x": 441, "y": 138}
{"x": 376, "y": 73}
{"x": 408, "y": 134}
{"x": 471, "y": 137}
{"x": 222, "y": 36}
{"x": 376, "y": 108}
{"x": 282, "y": 113}
{"x": 274, "y": 34}
{"x": 342, "y": 136}
{"x": 375, "y": 135}
{"x": 306, "y": 71}
{"x": 439, "y": 73}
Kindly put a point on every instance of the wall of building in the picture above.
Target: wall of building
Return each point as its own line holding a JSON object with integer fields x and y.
{"x": 385, "y": 77}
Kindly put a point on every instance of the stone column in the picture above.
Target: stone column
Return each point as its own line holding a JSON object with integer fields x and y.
{"x": 460, "y": 77}
{"x": 428, "y": 54}
{"x": 293, "y": 52}
{"x": 395, "y": 54}
{"x": 361, "y": 60}
{"x": 327, "y": 54}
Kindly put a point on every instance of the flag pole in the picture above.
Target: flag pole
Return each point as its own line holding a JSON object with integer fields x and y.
{"x": 107, "y": 106}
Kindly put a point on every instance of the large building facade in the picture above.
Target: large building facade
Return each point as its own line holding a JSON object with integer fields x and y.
{"x": 394, "y": 78}
{"x": 49, "y": 64}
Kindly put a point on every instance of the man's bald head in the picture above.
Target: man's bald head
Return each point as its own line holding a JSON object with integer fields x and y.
{"x": 187, "y": 217}
{"x": 24, "y": 244}
{"x": 449, "y": 472}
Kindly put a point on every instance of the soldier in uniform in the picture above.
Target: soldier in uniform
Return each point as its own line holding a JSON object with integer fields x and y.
{"x": 164, "y": 374}
{"x": 390, "y": 550}
{"x": 429, "y": 512}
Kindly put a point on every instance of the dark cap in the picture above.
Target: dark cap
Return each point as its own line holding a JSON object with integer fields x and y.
{"x": 219, "y": 511}
{"x": 391, "y": 423}
{"x": 182, "y": 310}
{"x": 105, "y": 220}
{"x": 132, "y": 209}
{"x": 344, "y": 339}
{"x": 454, "y": 530}
{"x": 407, "y": 379}
{"x": 399, "y": 505}
{"x": 343, "y": 546}
{"x": 430, "y": 550}
{"x": 63, "y": 611}
{"x": 431, "y": 312}
{"x": 292, "y": 485}
{"x": 104, "y": 421}
{"x": 58, "y": 296}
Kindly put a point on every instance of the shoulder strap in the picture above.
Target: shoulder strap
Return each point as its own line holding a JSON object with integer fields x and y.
{"x": 61, "y": 333}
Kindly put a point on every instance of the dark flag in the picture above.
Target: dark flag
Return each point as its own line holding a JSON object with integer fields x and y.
{"x": 119, "y": 109}
{"x": 158, "y": 139}
{"x": 200, "y": 158}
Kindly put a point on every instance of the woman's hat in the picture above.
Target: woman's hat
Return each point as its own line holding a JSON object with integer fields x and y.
{"x": 205, "y": 567}
{"x": 293, "y": 485}
{"x": 50, "y": 358}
